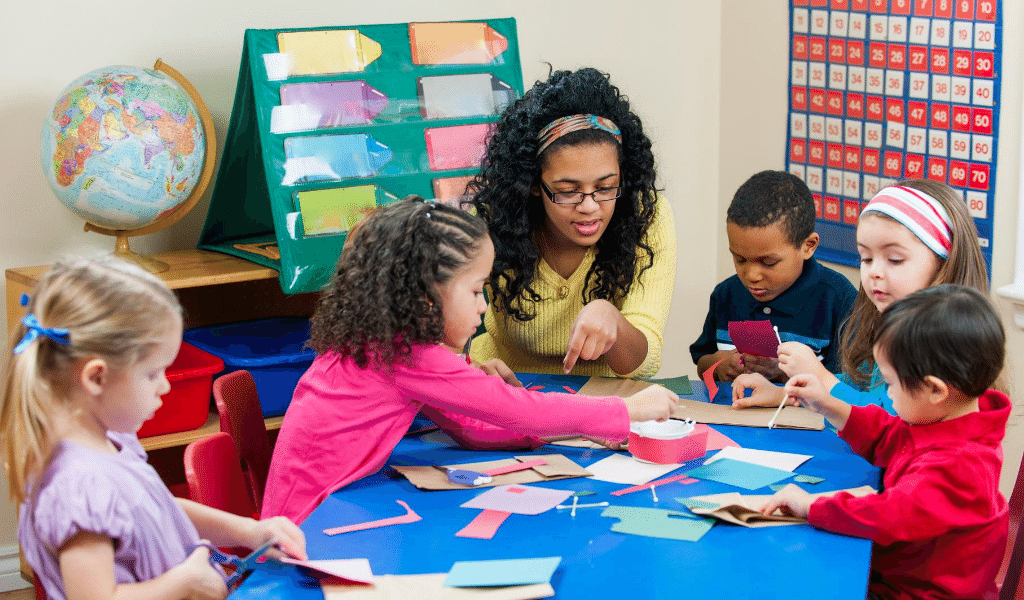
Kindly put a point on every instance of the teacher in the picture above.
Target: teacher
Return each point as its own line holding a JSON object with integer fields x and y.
{"x": 585, "y": 250}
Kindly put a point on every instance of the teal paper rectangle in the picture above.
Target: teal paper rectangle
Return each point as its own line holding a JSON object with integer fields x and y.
{"x": 740, "y": 474}
{"x": 517, "y": 571}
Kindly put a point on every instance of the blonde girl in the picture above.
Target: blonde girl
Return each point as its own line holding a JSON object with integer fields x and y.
{"x": 912, "y": 235}
{"x": 86, "y": 370}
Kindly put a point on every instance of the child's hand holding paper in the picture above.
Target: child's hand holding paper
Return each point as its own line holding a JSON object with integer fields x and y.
{"x": 791, "y": 500}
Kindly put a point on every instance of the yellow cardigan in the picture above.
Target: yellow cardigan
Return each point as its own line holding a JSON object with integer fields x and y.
{"x": 539, "y": 345}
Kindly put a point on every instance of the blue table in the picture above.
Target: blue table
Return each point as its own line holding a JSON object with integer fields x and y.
{"x": 792, "y": 562}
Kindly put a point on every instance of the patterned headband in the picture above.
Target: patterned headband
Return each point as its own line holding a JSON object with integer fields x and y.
{"x": 559, "y": 127}
{"x": 923, "y": 215}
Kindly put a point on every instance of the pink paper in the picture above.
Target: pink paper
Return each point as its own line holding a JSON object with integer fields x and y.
{"x": 716, "y": 439}
{"x": 519, "y": 499}
{"x": 709, "y": 380}
{"x": 636, "y": 488}
{"x": 350, "y": 569}
{"x": 409, "y": 517}
{"x": 485, "y": 525}
{"x": 516, "y": 467}
{"x": 754, "y": 337}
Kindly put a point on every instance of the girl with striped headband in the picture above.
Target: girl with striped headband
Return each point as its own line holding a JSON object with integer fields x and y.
{"x": 912, "y": 235}
{"x": 584, "y": 246}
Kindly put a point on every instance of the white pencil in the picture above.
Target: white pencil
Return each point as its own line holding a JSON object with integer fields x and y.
{"x": 771, "y": 424}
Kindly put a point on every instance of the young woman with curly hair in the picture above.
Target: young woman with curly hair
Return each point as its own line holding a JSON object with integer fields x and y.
{"x": 407, "y": 290}
{"x": 584, "y": 247}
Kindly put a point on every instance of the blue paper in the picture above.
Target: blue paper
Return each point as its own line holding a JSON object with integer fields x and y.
{"x": 517, "y": 571}
{"x": 740, "y": 474}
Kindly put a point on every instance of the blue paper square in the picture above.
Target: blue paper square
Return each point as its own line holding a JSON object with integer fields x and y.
{"x": 740, "y": 474}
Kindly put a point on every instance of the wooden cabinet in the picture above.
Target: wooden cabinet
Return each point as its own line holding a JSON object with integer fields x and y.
{"x": 213, "y": 288}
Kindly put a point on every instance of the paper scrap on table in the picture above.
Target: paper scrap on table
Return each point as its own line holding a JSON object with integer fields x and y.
{"x": 515, "y": 467}
{"x": 349, "y": 569}
{"x": 679, "y": 385}
{"x": 791, "y": 417}
{"x": 409, "y": 517}
{"x": 709, "y": 379}
{"x": 784, "y": 461}
{"x": 716, "y": 439}
{"x": 740, "y": 474}
{"x": 808, "y": 479}
{"x": 636, "y": 488}
{"x": 658, "y": 523}
{"x": 519, "y": 499}
{"x": 513, "y": 571}
{"x": 431, "y": 587}
{"x": 619, "y": 468}
{"x": 754, "y": 337}
{"x": 745, "y": 510}
{"x": 557, "y": 466}
{"x": 484, "y": 525}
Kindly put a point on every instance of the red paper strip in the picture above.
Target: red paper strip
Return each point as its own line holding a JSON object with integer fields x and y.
{"x": 709, "y": 379}
{"x": 409, "y": 517}
{"x": 516, "y": 467}
{"x": 636, "y": 488}
{"x": 485, "y": 525}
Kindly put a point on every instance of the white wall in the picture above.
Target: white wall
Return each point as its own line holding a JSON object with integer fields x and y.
{"x": 671, "y": 78}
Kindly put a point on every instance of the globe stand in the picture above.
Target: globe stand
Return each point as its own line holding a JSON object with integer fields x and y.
{"x": 121, "y": 247}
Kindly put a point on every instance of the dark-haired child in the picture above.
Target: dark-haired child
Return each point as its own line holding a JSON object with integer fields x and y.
{"x": 940, "y": 525}
{"x": 770, "y": 225}
{"x": 407, "y": 290}
{"x": 585, "y": 248}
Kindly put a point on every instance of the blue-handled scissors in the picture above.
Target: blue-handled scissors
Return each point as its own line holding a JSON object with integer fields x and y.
{"x": 242, "y": 566}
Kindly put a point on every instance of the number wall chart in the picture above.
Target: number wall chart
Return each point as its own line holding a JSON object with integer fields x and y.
{"x": 882, "y": 90}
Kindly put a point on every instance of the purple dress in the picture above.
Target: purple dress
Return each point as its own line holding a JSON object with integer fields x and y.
{"x": 116, "y": 495}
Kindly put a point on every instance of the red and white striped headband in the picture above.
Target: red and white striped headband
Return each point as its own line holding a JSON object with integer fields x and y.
{"x": 922, "y": 214}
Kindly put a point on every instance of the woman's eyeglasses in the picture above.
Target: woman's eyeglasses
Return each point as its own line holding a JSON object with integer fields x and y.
{"x": 599, "y": 195}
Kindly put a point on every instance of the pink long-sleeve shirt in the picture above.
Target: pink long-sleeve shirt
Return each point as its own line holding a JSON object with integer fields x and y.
{"x": 343, "y": 421}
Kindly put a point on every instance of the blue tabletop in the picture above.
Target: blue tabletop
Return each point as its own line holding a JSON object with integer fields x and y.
{"x": 791, "y": 562}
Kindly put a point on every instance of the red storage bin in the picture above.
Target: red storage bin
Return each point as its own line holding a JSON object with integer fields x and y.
{"x": 187, "y": 405}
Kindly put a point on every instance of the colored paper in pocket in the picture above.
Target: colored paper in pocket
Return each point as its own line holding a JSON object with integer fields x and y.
{"x": 459, "y": 147}
{"x": 327, "y": 52}
{"x": 335, "y": 210}
{"x": 451, "y": 190}
{"x": 455, "y": 43}
{"x": 306, "y": 106}
{"x": 471, "y": 95}
{"x": 332, "y": 157}
{"x": 754, "y": 337}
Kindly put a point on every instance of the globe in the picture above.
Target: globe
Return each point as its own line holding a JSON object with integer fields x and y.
{"x": 125, "y": 148}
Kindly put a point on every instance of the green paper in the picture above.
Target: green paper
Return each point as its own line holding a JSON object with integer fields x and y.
{"x": 584, "y": 493}
{"x": 777, "y": 486}
{"x": 679, "y": 385}
{"x": 658, "y": 523}
{"x": 694, "y": 503}
{"x": 808, "y": 479}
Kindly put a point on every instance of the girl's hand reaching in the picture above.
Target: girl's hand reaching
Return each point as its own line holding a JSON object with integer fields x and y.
{"x": 653, "y": 403}
{"x": 764, "y": 392}
{"x": 797, "y": 359}
{"x": 792, "y": 500}
{"x": 288, "y": 536}
{"x": 497, "y": 367}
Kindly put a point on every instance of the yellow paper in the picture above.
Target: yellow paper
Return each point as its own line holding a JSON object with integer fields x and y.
{"x": 327, "y": 52}
{"x": 336, "y": 210}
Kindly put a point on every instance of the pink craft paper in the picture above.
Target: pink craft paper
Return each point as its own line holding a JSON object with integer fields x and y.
{"x": 457, "y": 147}
{"x": 409, "y": 517}
{"x": 636, "y": 488}
{"x": 666, "y": 452}
{"x": 356, "y": 569}
{"x": 754, "y": 337}
{"x": 485, "y": 525}
{"x": 709, "y": 380}
{"x": 716, "y": 439}
{"x": 516, "y": 467}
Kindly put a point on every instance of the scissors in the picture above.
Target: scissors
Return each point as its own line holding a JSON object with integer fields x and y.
{"x": 242, "y": 566}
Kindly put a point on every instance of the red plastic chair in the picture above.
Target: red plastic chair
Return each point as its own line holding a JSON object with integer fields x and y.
{"x": 241, "y": 416}
{"x": 215, "y": 477}
{"x": 1013, "y": 561}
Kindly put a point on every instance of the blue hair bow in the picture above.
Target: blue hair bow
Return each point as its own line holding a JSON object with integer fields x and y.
{"x": 61, "y": 336}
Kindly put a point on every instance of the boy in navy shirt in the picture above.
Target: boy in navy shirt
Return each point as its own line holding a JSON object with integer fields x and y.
{"x": 770, "y": 225}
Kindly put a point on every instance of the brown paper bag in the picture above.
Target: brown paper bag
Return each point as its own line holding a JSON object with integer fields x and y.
{"x": 435, "y": 478}
{"x": 744, "y": 510}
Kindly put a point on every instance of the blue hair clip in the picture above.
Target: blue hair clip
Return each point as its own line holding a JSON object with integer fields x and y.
{"x": 24, "y": 300}
{"x": 61, "y": 336}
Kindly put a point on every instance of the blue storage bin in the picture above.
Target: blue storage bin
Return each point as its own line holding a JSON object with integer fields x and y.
{"x": 273, "y": 350}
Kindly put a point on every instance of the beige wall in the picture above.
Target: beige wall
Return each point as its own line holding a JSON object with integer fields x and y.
{"x": 706, "y": 77}
{"x": 753, "y": 129}
{"x": 671, "y": 78}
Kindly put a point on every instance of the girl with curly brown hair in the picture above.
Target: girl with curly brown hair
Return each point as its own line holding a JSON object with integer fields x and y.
{"x": 408, "y": 292}
{"x": 584, "y": 247}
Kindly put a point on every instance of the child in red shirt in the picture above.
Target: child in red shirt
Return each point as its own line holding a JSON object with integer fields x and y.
{"x": 940, "y": 525}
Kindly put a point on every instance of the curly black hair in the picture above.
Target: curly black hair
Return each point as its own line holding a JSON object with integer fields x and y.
{"x": 772, "y": 197}
{"x": 384, "y": 295}
{"x": 503, "y": 190}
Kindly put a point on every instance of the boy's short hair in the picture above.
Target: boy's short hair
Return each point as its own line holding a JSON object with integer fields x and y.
{"x": 947, "y": 331}
{"x": 775, "y": 197}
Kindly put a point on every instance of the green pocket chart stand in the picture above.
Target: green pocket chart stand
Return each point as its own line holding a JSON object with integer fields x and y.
{"x": 330, "y": 122}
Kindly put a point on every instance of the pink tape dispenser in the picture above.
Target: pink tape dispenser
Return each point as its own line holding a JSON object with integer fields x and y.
{"x": 668, "y": 442}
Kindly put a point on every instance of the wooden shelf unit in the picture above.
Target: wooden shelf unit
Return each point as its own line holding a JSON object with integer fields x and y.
{"x": 213, "y": 288}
